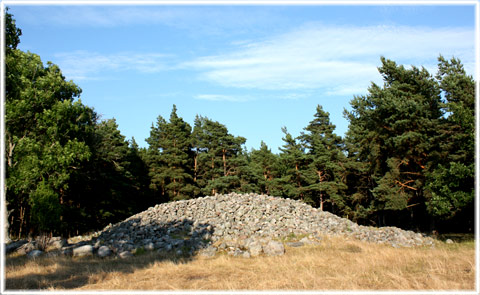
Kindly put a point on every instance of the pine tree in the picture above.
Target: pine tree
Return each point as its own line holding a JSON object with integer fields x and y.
{"x": 392, "y": 128}
{"x": 171, "y": 158}
{"x": 216, "y": 156}
{"x": 450, "y": 185}
{"x": 263, "y": 163}
{"x": 325, "y": 161}
{"x": 291, "y": 167}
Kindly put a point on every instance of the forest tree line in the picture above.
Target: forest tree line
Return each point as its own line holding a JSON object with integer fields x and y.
{"x": 407, "y": 159}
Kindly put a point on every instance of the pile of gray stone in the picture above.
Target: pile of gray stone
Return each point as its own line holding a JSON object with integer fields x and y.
{"x": 244, "y": 225}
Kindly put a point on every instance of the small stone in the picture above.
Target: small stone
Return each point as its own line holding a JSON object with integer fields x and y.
{"x": 449, "y": 241}
{"x": 237, "y": 252}
{"x": 27, "y": 248}
{"x": 306, "y": 240}
{"x": 125, "y": 254}
{"x": 295, "y": 244}
{"x": 208, "y": 252}
{"x": 255, "y": 248}
{"x": 86, "y": 250}
{"x": 34, "y": 254}
{"x": 104, "y": 251}
{"x": 58, "y": 244}
{"x": 150, "y": 246}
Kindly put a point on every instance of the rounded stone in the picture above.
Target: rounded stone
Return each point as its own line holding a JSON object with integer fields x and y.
{"x": 104, "y": 251}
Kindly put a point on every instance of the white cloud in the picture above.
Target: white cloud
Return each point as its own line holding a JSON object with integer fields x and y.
{"x": 84, "y": 65}
{"x": 341, "y": 60}
{"x": 221, "y": 97}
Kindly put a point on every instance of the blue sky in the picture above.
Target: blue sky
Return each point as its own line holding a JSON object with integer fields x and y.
{"x": 252, "y": 68}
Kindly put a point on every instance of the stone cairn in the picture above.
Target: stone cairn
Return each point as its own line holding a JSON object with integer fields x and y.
{"x": 244, "y": 225}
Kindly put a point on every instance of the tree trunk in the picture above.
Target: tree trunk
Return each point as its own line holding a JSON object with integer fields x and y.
{"x": 195, "y": 168}
{"x": 224, "y": 158}
{"x": 5, "y": 219}
{"x": 22, "y": 219}
{"x": 11, "y": 148}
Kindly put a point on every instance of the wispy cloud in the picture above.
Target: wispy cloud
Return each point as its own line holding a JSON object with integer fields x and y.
{"x": 207, "y": 19}
{"x": 84, "y": 65}
{"x": 222, "y": 97}
{"x": 246, "y": 98}
{"x": 341, "y": 60}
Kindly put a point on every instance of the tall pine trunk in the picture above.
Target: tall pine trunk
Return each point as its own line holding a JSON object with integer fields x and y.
{"x": 224, "y": 158}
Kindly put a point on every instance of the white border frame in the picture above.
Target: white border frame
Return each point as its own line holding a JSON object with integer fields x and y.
{"x": 474, "y": 3}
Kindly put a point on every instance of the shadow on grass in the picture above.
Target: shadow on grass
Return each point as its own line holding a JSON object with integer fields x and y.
{"x": 63, "y": 272}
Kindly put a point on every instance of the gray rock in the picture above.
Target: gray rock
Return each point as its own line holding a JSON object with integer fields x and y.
{"x": 449, "y": 241}
{"x": 237, "y": 252}
{"x": 104, "y": 251}
{"x": 255, "y": 248}
{"x": 27, "y": 248}
{"x": 86, "y": 250}
{"x": 208, "y": 252}
{"x": 294, "y": 244}
{"x": 13, "y": 246}
{"x": 150, "y": 246}
{"x": 34, "y": 254}
{"x": 274, "y": 248}
{"x": 58, "y": 244}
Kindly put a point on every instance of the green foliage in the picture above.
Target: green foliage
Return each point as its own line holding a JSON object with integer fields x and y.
{"x": 46, "y": 210}
{"x": 12, "y": 33}
{"x": 65, "y": 172}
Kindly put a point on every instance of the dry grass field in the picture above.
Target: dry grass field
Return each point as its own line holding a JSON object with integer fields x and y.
{"x": 336, "y": 264}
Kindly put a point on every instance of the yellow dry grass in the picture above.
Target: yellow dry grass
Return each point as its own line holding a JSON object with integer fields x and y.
{"x": 336, "y": 264}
